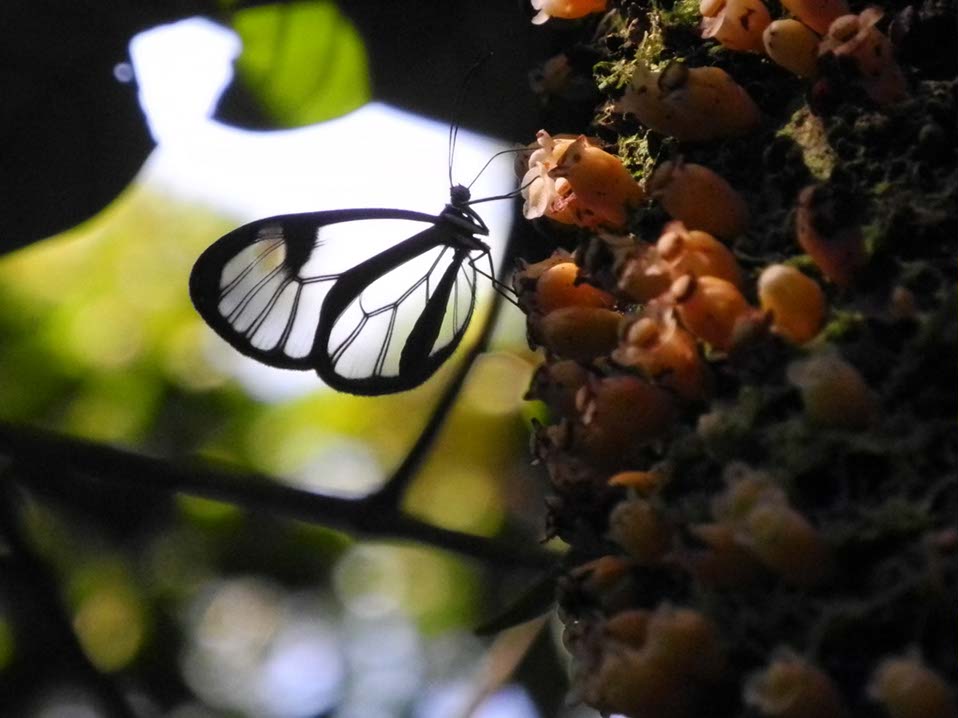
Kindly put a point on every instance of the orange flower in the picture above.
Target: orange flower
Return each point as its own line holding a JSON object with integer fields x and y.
{"x": 856, "y": 37}
{"x": 737, "y": 24}
{"x": 690, "y": 104}
{"x": 601, "y": 183}
{"x": 567, "y": 9}
{"x": 575, "y": 182}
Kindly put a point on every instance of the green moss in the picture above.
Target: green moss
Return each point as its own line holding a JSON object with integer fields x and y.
{"x": 896, "y": 516}
{"x": 684, "y": 14}
{"x": 806, "y": 130}
{"x": 613, "y": 75}
{"x": 843, "y": 324}
{"x": 882, "y": 188}
{"x": 802, "y": 261}
{"x": 633, "y": 150}
{"x": 873, "y": 235}
{"x": 653, "y": 43}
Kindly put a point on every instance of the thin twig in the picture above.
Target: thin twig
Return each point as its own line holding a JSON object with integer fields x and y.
{"x": 252, "y": 491}
{"x": 392, "y": 492}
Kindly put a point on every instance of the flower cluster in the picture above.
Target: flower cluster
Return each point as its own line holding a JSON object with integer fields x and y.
{"x": 706, "y": 391}
{"x": 818, "y": 28}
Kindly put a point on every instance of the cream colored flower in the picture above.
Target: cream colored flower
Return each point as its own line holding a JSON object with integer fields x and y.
{"x": 539, "y": 190}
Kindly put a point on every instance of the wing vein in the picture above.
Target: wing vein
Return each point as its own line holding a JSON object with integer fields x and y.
{"x": 249, "y": 268}
{"x": 251, "y": 294}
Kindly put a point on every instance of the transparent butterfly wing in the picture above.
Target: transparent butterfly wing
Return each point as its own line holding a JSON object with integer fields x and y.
{"x": 389, "y": 323}
{"x": 265, "y": 286}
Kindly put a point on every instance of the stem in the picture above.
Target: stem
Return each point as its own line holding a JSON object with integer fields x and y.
{"x": 391, "y": 493}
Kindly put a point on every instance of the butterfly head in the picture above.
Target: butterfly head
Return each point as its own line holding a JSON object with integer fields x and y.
{"x": 459, "y": 195}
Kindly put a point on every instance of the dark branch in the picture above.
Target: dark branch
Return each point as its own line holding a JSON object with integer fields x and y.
{"x": 255, "y": 492}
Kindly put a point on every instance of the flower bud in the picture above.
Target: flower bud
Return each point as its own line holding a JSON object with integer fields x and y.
{"x": 783, "y": 540}
{"x": 637, "y": 527}
{"x": 643, "y": 275}
{"x": 667, "y": 353}
{"x": 685, "y": 641}
{"x": 617, "y": 413}
{"x": 902, "y": 303}
{"x": 556, "y": 383}
{"x": 566, "y": 9}
{"x": 906, "y": 688}
{"x": 649, "y": 663}
{"x": 737, "y": 24}
{"x": 644, "y": 483}
{"x": 691, "y": 105}
{"x": 745, "y": 489}
{"x": 629, "y": 682}
{"x": 696, "y": 252}
{"x": 792, "y": 688}
{"x": 817, "y": 14}
{"x": 795, "y": 302}
{"x": 833, "y": 391}
{"x": 526, "y": 278}
{"x": 710, "y": 308}
{"x": 855, "y": 37}
{"x": 630, "y": 627}
{"x": 580, "y": 333}
{"x": 699, "y": 198}
{"x": 792, "y": 45}
{"x": 605, "y": 574}
{"x": 724, "y": 562}
{"x": 833, "y": 242}
{"x": 558, "y": 287}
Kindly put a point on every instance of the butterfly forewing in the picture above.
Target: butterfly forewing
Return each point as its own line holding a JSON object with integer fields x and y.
{"x": 261, "y": 287}
{"x": 373, "y": 300}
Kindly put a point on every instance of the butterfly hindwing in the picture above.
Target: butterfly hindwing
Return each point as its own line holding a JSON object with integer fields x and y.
{"x": 373, "y": 299}
{"x": 389, "y": 322}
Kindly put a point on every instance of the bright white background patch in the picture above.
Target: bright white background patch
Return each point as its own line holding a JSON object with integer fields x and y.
{"x": 377, "y": 156}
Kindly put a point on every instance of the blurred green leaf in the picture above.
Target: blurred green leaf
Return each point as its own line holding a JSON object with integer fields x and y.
{"x": 301, "y": 63}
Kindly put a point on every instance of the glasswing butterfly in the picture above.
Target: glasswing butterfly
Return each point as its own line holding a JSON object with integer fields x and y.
{"x": 373, "y": 300}
{"x": 289, "y": 292}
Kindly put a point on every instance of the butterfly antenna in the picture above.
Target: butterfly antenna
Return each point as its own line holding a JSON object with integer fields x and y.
{"x": 457, "y": 107}
{"x": 508, "y": 195}
{"x": 490, "y": 160}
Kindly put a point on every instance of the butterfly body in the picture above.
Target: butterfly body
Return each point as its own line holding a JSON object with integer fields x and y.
{"x": 278, "y": 291}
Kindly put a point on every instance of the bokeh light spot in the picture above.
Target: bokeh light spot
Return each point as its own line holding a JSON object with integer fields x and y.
{"x": 104, "y": 334}
{"x": 463, "y": 499}
{"x": 259, "y": 651}
{"x": 497, "y": 383}
{"x": 369, "y": 580}
{"x": 110, "y": 625}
